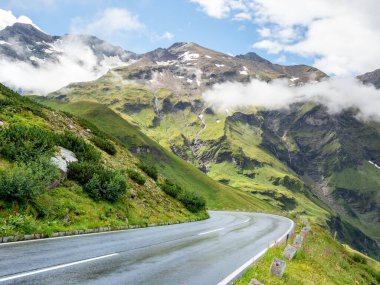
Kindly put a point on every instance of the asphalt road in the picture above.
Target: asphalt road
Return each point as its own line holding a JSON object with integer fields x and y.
{"x": 207, "y": 252}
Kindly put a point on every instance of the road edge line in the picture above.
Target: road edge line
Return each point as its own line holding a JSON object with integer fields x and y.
{"x": 238, "y": 272}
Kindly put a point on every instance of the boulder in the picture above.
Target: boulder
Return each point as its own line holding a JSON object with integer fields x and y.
{"x": 298, "y": 241}
{"x": 277, "y": 267}
{"x": 289, "y": 252}
{"x": 63, "y": 159}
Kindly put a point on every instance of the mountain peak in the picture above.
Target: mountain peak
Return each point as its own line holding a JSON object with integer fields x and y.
{"x": 178, "y": 45}
{"x": 372, "y": 77}
{"x": 253, "y": 56}
{"x": 24, "y": 33}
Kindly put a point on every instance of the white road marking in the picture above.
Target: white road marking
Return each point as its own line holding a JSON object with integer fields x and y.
{"x": 16, "y": 276}
{"x": 243, "y": 222}
{"x": 242, "y": 268}
{"x": 216, "y": 230}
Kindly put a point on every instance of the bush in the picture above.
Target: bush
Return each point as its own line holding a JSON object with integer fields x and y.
{"x": 99, "y": 183}
{"x": 99, "y": 188}
{"x": 171, "y": 189}
{"x": 82, "y": 172}
{"x": 82, "y": 150}
{"x": 150, "y": 170}
{"x": 25, "y": 143}
{"x": 192, "y": 201}
{"x": 104, "y": 145}
{"x": 26, "y": 181}
{"x": 136, "y": 176}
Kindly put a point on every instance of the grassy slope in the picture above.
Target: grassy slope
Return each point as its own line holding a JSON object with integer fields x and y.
{"x": 365, "y": 182}
{"x": 321, "y": 260}
{"x": 217, "y": 195}
{"x": 68, "y": 207}
{"x": 179, "y": 126}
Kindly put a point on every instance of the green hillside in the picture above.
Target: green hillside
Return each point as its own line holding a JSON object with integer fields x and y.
{"x": 217, "y": 195}
{"x": 107, "y": 187}
{"x": 287, "y": 158}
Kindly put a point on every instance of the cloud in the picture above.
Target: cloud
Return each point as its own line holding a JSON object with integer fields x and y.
{"x": 214, "y": 8}
{"x": 341, "y": 36}
{"x": 167, "y": 36}
{"x": 110, "y": 24}
{"x": 337, "y": 94}
{"x": 76, "y": 62}
{"x": 8, "y": 19}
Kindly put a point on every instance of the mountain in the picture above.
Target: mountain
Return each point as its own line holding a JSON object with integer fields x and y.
{"x": 294, "y": 159}
{"x": 24, "y": 42}
{"x": 371, "y": 78}
{"x": 120, "y": 177}
{"x": 41, "y": 63}
{"x": 300, "y": 160}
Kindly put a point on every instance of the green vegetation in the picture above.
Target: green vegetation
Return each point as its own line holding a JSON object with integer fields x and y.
{"x": 22, "y": 182}
{"x": 35, "y": 197}
{"x": 99, "y": 183}
{"x": 136, "y": 176}
{"x": 104, "y": 145}
{"x": 191, "y": 200}
{"x": 150, "y": 170}
{"x": 321, "y": 260}
{"x": 149, "y": 152}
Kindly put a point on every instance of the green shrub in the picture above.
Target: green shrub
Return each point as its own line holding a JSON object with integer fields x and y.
{"x": 150, "y": 170}
{"x": 193, "y": 202}
{"x": 99, "y": 183}
{"x": 25, "y": 143}
{"x": 82, "y": 150}
{"x": 171, "y": 189}
{"x": 136, "y": 176}
{"x": 104, "y": 145}
{"x": 16, "y": 223}
{"x": 25, "y": 181}
{"x": 102, "y": 188}
{"x": 82, "y": 172}
{"x": 114, "y": 188}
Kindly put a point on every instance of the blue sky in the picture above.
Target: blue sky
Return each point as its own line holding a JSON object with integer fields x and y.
{"x": 183, "y": 19}
{"x": 339, "y": 37}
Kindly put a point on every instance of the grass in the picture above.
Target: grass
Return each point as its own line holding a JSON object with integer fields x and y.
{"x": 179, "y": 171}
{"x": 362, "y": 184}
{"x": 67, "y": 206}
{"x": 321, "y": 260}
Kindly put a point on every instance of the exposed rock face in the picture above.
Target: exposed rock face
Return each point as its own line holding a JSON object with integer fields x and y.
{"x": 63, "y": 159}
{"x": 371, "y": 78}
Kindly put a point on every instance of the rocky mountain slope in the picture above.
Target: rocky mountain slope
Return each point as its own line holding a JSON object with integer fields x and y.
{"x": 279, "y": 156}
{"x": 24, "y": 42}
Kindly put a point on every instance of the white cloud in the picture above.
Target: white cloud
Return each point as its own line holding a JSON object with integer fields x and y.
{"x": 8, "y": 19}
{"x": 112, "y": 22}
{"x": 243, "y": 16}
{"x": 215, "y": 8}
{"x": 337, "y": 94}
{"x": 76, "y": 63}
{"x": 167, "y": 36}
{"x": 342, "y": 36}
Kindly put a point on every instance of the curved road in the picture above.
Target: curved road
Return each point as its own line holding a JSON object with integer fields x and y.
{"x": 212, "y": 251}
